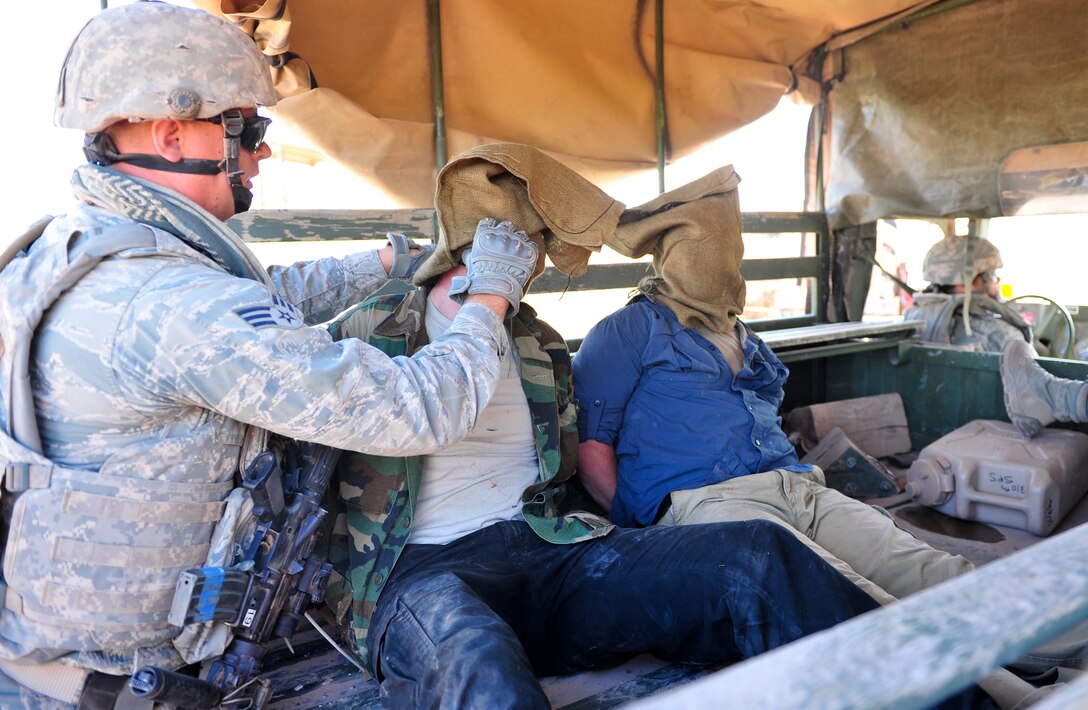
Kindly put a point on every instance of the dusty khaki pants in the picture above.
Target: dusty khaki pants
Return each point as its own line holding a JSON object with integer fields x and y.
{"x": 859, "y": 540}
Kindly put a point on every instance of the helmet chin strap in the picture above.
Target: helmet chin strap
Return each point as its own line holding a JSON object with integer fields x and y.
{"x": 100, "y": 149}
{"x": 233, "y": 124}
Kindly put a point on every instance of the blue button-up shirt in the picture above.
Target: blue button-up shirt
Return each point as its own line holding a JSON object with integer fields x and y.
{"x": 664, "y": 397}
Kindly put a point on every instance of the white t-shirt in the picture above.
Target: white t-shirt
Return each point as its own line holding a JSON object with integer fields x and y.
{"x": 478, "y": 481}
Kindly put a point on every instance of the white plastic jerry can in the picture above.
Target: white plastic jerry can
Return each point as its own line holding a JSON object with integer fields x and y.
{"x": 988, "y": 471}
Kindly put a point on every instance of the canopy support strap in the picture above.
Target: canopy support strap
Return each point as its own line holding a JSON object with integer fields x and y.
{"x": 438, "y": 98}
{"x": 660, "y": 121}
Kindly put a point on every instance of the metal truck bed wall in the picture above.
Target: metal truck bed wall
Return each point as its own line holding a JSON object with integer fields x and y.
{"x": 942, "y": 389}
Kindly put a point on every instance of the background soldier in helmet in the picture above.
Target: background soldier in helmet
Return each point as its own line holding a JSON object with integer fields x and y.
{"x": 145, "y": 348}
{"x": 1033, "y": 397}
{"x": 962, "y": 275}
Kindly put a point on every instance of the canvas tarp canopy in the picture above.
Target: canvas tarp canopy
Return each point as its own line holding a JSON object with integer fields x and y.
{"x": 575, "y": 78}
{"x": 925, "y": 98}
{"x": 923, "y": 117}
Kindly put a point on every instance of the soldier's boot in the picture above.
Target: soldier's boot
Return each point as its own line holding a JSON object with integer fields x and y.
{"x": 1033, "y": 396}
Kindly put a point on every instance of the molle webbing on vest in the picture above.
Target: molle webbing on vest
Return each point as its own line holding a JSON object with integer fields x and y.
{"x": 103, "y": 553}
{"x": 940, "y": 313}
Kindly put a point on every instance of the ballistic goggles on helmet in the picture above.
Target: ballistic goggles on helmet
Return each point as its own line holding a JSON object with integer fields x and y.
{"x": 249, "y": 131}
{"x": 253, "y": 128}
{"x": 239, "y": 131}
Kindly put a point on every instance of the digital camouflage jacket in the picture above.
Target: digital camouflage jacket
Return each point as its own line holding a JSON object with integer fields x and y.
{"x": 379, "y": 492}
{"x": 125, "y": 400}
{"x": 993, "y": 323}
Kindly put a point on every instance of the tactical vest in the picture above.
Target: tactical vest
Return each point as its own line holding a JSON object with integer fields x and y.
{"x": 940, "y": 313}
{"x": 91, "y": 558}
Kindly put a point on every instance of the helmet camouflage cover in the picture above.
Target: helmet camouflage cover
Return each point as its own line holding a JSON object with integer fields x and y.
{"x": 152, "y": 60}
{"x": 945, "y": 263}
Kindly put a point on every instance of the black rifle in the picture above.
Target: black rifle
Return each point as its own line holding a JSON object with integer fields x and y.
{"x": 261, "y": 597}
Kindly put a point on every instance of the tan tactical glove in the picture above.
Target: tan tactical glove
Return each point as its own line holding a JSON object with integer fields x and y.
{"x": 500, "y": 261}
{"x": 405, "y": 263}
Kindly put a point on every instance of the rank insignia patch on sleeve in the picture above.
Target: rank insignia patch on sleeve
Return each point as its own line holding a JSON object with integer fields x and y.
{"x": 279, "y": 314}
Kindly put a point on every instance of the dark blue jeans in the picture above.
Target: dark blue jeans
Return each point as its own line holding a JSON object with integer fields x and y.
{"x": 471, "y": 624}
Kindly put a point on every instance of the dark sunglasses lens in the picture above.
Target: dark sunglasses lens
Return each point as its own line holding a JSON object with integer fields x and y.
{"x": 253, "y": 132}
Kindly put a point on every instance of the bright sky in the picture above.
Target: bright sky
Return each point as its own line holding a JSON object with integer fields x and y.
{"x": 38, "y": 157}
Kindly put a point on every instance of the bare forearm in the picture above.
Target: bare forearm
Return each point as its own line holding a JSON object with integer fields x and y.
{"x": 497, "y": 304}
{"x": 385, "y": 255}
{"x": 597, "y": 467}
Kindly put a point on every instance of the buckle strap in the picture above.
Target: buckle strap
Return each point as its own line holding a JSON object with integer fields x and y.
{"x": 405, "y": 263}
{"x": 60, "y": 682}
{"x": 19, "y": 476}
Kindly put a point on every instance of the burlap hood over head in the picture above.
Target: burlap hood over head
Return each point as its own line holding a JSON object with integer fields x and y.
{"x": 694, "y": 233}
{"x": 554, "y": 205}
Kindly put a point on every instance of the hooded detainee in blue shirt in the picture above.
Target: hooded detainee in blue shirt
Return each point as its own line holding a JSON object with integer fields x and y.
{"x": 678, "y": 408}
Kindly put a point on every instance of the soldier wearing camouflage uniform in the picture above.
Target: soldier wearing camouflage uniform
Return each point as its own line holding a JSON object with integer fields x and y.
{"x": 1033, "y": 397}
{"x": 470, "y": 576}
{"x": 949, "y": 265}
{"x": 144, "y": 349}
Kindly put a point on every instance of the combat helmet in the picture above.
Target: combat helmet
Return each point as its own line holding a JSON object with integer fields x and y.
{"x": 946, "y": 264}
{"x": 154, "y": 60}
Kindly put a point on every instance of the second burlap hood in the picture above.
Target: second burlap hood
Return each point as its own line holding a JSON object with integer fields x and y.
{"x": 695, "y": 235}
{"x": 693, "y": 232}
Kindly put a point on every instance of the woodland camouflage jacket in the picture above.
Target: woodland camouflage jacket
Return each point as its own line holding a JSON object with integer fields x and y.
{"x": 379, "y": 492}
